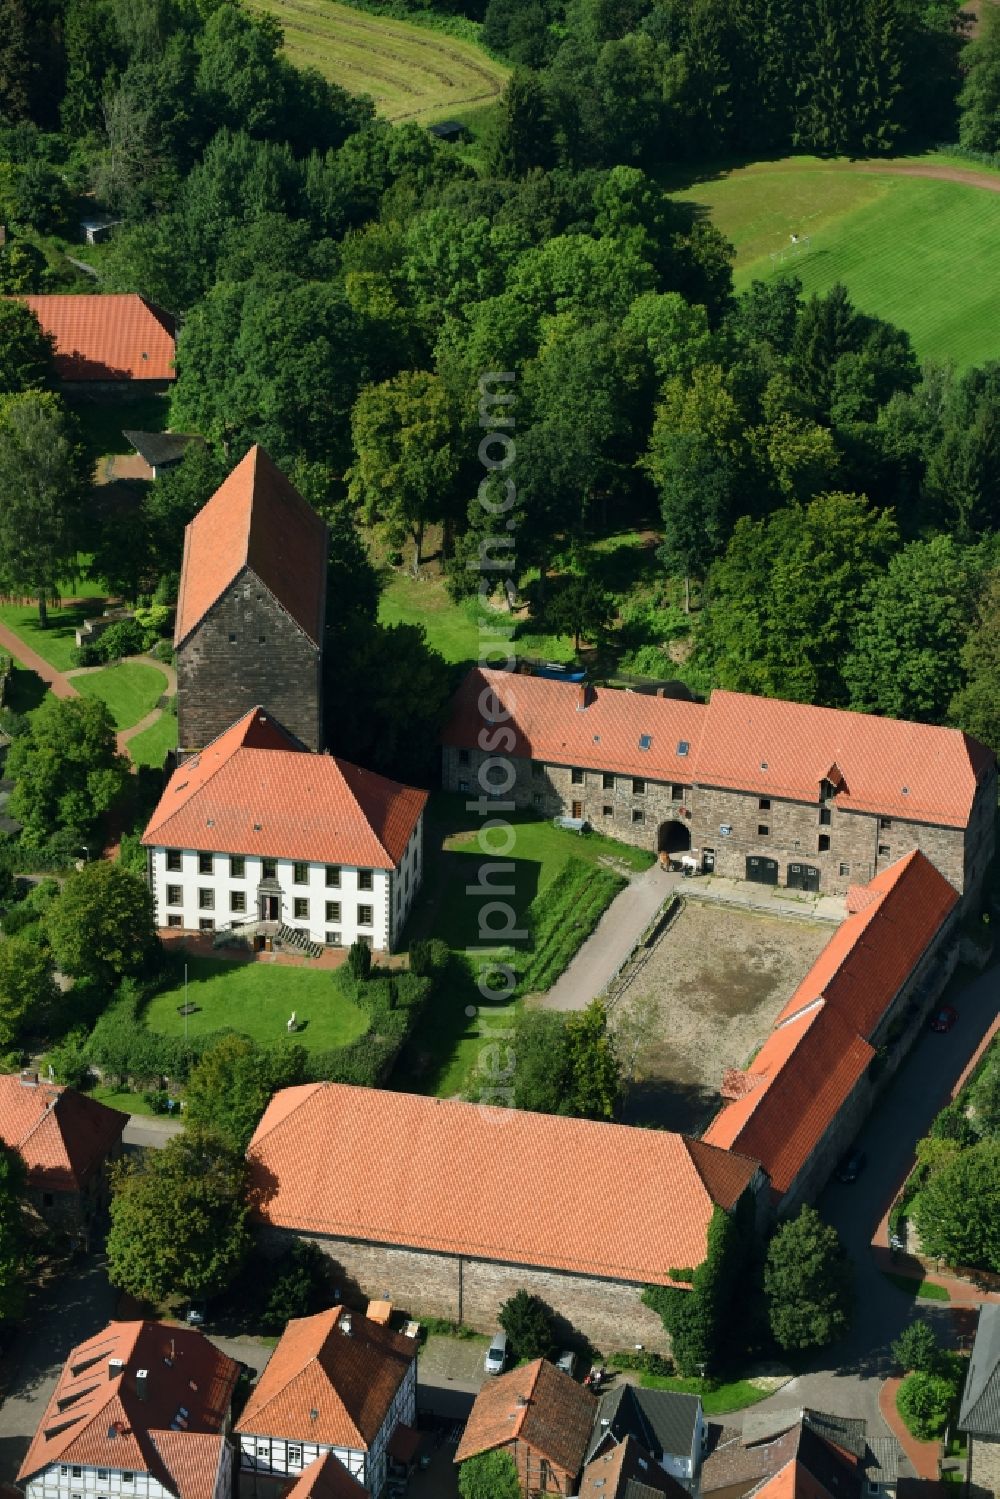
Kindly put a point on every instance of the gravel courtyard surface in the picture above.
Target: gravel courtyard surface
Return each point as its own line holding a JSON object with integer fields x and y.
{"x": 705, "y": 1001}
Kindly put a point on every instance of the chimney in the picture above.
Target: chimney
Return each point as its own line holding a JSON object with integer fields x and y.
{"x": 116, "y": 1366}
{"x": 142, "y": 1383}
{"x": 29, "y": 1079}
{"x": 345, "y": 1324}
{"x": 585, "y": 697}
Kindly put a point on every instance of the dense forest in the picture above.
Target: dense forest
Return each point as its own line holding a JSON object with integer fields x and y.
{"x": 342, "y": 284}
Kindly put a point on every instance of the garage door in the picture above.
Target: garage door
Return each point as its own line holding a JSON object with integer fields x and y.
{"x": 803, "y": 877}
{"x": 762, "y": 871}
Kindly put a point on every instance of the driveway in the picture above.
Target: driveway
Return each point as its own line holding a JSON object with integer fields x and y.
{"x": 846, "y": 1378}
{"x": 151, "y": 1131}
{"x": 71, "y": 1309}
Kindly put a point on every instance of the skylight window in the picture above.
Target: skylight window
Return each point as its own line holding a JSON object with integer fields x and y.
{"x": 683, "y": 747}
{"x": 645, "y": 740}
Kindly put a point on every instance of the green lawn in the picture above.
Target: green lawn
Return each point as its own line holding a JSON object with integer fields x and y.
{"x": 131, "y": 690}
{"x": 411, "y": 72}
{"x": 440, "y": 1058}
{"x": 923, "y": 1290}
{"x": 120, "y": 1098}
{"x": 153, "y": 744}
{"x": 55, "y": 644}
{"x": 921, "y": 253}
{"x": 716, "y": 1399}
{"x": 257, "y": 999}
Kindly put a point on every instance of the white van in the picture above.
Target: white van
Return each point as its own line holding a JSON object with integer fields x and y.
{"x": 496, "y": 1354}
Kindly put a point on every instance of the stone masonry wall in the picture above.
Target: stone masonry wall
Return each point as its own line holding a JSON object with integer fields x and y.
{"x": 608, "y": 1312}
{"x": 985, "y": 1468}
{"x": 225, "y": 668}
{"x": 860, "y": 844}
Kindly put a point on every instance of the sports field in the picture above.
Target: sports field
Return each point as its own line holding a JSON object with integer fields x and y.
{"x": 412, "y": 72}
{"x": 921, "y": 252}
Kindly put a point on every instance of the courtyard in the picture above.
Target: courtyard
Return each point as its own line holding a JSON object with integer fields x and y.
{"x": 704, "y": 1001}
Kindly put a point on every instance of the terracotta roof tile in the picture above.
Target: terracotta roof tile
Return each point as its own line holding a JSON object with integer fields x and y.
{"x": 537, "y": 1404}
{"x": 326, "y": 1478}
{"x": 255, "y": 519}
{"x": 440, "y": 1175}
{"x": 191, "y": 1459}
{"x": 337, "y": 1364}
{"x": 98, "y": 1420}
{"x": 872, "y": 954}
{"x": 107, "y": 337}
{"x": 908, "y": 770}
{"x": 759, "y": 745}
{"x": 548, "y": 724}
{"x": 617, "y": 1473}
{"x": 808, "y": 1068}
{"x": 63, "y": 1135}
{"x": 254, "y": 790}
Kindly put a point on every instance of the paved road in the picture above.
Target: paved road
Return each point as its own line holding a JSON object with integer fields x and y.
{"x": 854, "y": 1369}
{"x": 150, "y": 1130}
{"x": 611, "y": 941}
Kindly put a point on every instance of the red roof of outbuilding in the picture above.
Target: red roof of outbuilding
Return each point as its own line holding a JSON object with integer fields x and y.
{"x": 255, "y": 519}
{"x": 537, "y": 1404}
{"x": 886, "y": 765}
{"x": 254, "y": 790}
{"x": 783, "y": 1104}
{"x": 761, "y": 745}
{"x": 96, "y": 1418}
{"x": 325, "y": 1478}
{"x": 107, "y": 337}
{"x": 62, "y": 1135}
{"x": 435, "y": 1174}
{"x": 548, "y": 723}
{"x": 872, "y": 954}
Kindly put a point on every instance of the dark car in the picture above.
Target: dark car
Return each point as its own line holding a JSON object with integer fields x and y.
{"x": 851, "y": 1166}
{"x": 944, "y": 1019}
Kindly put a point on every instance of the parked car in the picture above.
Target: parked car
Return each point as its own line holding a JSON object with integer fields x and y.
{"x": 944, "y": 1019}
{"x": 495, "y": 1361}
{"x": 567, "y": 1362}
{"x": 195, "y": 1314}
{"x": 852, "y": 1165}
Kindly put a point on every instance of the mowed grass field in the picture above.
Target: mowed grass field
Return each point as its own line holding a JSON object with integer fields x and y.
{"x": 131, "y": 689}
{"x": 412, "y": 72}
{"x": 922, "y": 253}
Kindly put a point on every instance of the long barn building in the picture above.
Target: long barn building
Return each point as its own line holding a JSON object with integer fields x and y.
{"x": 781, "y": 793}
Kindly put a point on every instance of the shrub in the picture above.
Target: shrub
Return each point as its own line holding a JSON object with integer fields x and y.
{"x": 300, "y": 1286}
{"x": 428, "y": 955}
{"x": 359, "y": 961}
{"x": 125, "y": 637}
{"x": 69, "y": 1061}
{"x": 916, "y": 1348}
{"x": 163, "y": 651}
{"x": 529, "y": 1324}
{"x": 925, "y": 1401}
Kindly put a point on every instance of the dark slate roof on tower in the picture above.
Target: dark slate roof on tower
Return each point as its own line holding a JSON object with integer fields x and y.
{"x": 255, "y": 519}
{"x": 980, "y": 1412}
{"x": 660, "y": 1420}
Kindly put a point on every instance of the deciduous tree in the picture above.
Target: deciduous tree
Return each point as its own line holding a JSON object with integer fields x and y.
{"x": 43, "y": 482}
{"x": 231, "y": 1083}
{"x": 808, "y": 1283}
{"x": 958, "y": 1212}
{"x": 28, "y": 990}
{"x": 529, "y": 1324}
{"x": 489, "y": 1475}
{"x": 66, "y": 768}
{"x": 101, "y": 926}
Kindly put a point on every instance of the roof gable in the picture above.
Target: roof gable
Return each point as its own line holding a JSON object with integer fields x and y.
{"x": 255, "y": 790}
{"x": 326, "y": 1478}
{"x": 107, "y": 337}
{"x": 255, "y": 519}
{"x": 537, "y": 1404}
{"x": 394, "y": 1168}
{"x": 331, "y": 1379}
{"x": 62, "y": 1135}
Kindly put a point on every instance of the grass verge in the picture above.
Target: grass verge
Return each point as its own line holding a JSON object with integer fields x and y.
{"x": 923, "y": 1290}
{"x": 257, "y": 999}
{"x": 152, "y": 746}
{"x": 716, "y": 1399}
{"x": 131, "y": 689}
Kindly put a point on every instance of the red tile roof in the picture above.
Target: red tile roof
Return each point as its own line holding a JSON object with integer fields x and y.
{"x": 537, "y": 1404}
{"x": 326, "y": 1478}
{"x": 96, "y": 1418}
{"x": 549, "y": 724}
{"x": 337, "y": 1364}
{"x": 783, "y": 1104}
{"x": 625, "y": 1472}
{"x": 872, "y": 954}
{"x": 107, "y": 337}
{"x": 63, "y": 1135}
{"x": 254, "y": 790}
{"x": 807, "y": 1070}
{"x": 773, "y": 748}
{"x": 761, "y": 745}
{"x": 255, "y": 519}
{"x": 445, "y": 1176}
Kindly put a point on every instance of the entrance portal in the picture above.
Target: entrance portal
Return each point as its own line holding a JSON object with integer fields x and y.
{"x": 270, "y": 908}
{"x": 762, "y": 871}
{"x": 803, "y": 877}
{"x": 673, "y": 837}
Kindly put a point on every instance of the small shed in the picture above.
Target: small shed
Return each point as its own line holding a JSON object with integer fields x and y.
{"x": 96, "y": 231}
{"x": 162, "y": 450}
{"x": 452, "y": 131}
